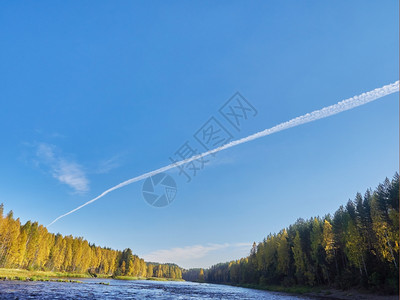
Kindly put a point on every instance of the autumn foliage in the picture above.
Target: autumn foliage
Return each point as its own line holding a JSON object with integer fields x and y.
{"x": 31, "y": 246}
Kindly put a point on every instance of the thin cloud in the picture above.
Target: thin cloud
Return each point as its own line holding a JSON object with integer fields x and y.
{"x": 64, "y": 170}
{"x": 107, "y": 165}
{"x": 189, "y": 254}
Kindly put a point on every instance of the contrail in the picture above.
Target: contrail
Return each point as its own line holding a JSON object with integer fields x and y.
{"x": 341, "y": 106}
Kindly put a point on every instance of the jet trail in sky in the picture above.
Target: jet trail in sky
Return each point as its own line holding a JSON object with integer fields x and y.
{"x": 341, "y": 106}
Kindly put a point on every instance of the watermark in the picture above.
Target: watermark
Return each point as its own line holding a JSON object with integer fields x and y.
{"x": 212, "y": 134}
{"x": 190, "y": 168}
{"x": 236, "y": 110}
{"x": 159, "y": 190}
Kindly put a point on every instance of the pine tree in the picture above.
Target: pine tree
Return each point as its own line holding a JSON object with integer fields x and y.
{"x": 283, "y": 253}
{"x": 299, "y": 259}
{"x": 201, "y": 276}
{"x": 123, "y": 268}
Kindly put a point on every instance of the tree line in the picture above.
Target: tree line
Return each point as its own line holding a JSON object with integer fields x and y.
{"x": 31, "y": 246}
{"x": 357, "y": 246}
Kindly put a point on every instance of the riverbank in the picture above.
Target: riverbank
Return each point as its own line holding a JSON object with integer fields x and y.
{"x": 322, "y": 292}
{"x": 351, "y": 294}
{"x": 27, "y": 275}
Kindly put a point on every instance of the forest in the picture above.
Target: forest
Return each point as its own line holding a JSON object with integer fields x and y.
{"x": 32, "y": 247}
{"x": 357, "y": 246}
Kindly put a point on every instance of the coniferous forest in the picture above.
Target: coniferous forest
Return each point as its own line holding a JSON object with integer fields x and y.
{"x": 357, "y": 246}
{"x": 32, "y": 247}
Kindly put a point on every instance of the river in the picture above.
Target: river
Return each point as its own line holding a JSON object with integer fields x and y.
{"x": 140, "y": 289}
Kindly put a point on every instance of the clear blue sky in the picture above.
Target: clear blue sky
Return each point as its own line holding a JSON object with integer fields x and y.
{"x": 96, "y": 92}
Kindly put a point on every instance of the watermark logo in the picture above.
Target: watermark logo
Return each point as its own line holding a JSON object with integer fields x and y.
{"x": 159, "y": 190}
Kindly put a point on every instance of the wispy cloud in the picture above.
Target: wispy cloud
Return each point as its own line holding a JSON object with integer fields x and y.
{"x": 107, "y": 165}
{"x": 64, "y": 170}
{"x": 192, "y": 254}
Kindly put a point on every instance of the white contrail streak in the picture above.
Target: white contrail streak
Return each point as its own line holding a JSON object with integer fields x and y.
{"x": 315, "y": 115}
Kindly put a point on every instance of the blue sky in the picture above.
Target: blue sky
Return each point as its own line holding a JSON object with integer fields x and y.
{"x": 96, "y": 92}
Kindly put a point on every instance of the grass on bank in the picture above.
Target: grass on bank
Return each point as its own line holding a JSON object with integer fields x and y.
{"x": 13, "y": 273}
{"x": 145, "y": 278}
{"x": 27, "y": 275}
{"x": 164, "y": 279}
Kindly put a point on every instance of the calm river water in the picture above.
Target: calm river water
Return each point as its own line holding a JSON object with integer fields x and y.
{"x": 119, "y": 289}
